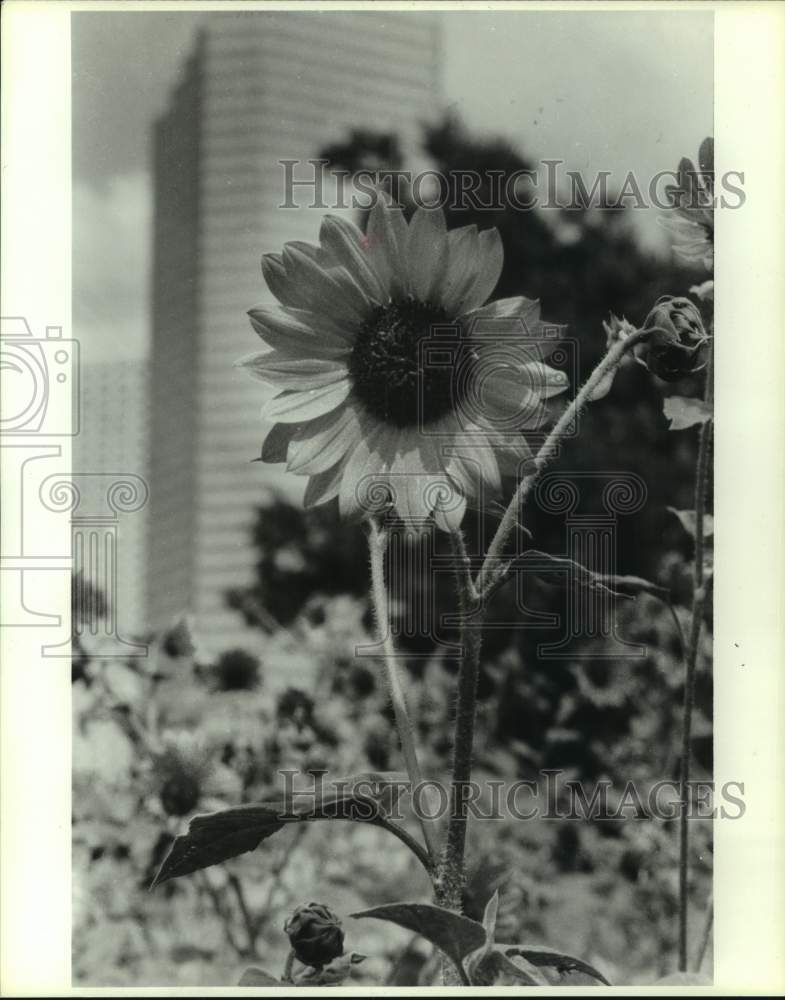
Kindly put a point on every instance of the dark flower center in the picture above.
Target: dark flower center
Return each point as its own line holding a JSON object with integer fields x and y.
{"x": 180, "y": 794}
{"x": 403, "y": 364}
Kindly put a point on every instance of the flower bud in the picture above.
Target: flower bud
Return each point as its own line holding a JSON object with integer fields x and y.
{"x": 676, "y": 339}
{"x": 616, "y": 329}
{"x": 179, "y": 640}
{"x": 315, "y": 934}
{"x": 295, "y": 706}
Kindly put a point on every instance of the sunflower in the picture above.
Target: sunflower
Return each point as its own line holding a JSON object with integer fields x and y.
{"x": 692, "y": 198}
{"x": 398, "y": 386}
{"x": 181, "y": 769}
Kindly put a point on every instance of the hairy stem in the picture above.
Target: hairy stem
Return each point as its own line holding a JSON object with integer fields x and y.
{"x": 286, "y": 975}
{"x": 377, "y": 544}
{"x": 691, "y": 659}
{"x": 549, "y": 447}
{"x": 249, "y": 922}
{"x": 452, "y": 871}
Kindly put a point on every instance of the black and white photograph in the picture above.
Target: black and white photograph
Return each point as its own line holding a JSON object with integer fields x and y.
{"x": 361, "y": 499}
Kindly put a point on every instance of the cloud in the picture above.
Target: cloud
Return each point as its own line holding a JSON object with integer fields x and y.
{"x": 111, "y": 266}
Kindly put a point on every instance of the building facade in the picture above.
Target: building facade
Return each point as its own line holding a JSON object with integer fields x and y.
{"x": 109, "y": 471}
{"x": 259, "y": 88}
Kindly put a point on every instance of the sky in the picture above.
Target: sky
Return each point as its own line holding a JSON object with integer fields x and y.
{"x": 618, "y": 90}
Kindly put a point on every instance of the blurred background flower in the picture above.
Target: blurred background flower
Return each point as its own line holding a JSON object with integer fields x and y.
{"x": 692, "y": 219}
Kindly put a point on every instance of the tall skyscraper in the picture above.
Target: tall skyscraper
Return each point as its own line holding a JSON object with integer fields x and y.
{"x": 110, "y": 454}
{"x": 259, "y": 87}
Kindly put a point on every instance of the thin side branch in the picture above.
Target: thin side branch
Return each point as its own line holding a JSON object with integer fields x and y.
{"x": 612, "y": 360}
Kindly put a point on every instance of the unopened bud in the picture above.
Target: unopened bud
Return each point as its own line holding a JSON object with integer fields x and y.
{"x": 677, "y": 337}
{"x": 315, "y": 934}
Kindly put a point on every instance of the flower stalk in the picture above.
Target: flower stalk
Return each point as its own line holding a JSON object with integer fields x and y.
{"x": 377, "y": 545}
{"x": 452, "y": 873}
{"x": 696, "y": 621}
{"x": 470, "y": 592}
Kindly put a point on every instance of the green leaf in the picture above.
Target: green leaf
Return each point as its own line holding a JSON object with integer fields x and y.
{"x": 636, "y": 585}
{"x": 575, "y": 572}
{"x": 688, "y": 519}
{"x": 539, "y": 564}
{"x": 477, "y": 958}
{"x": 384, "y": 787}
{"x": 219, "y": 836}
{"x": 496, "y": 969}
{"x": 455, "y": 935}
{"x": 334, "y": 974}
{"x": 552, "y": 959}
{"x": 216, "y": 837}
{"x": 489, "y": 917}
{"x": 258, "y": 977}
{"x": 685, "y": 411}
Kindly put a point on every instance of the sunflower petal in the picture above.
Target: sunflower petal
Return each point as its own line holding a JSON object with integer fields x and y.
{"x": 449, "y": 515}
{"x": 475, "y": 454}
{"x": 426, "y": 253}
{"x": 345, "y": 243}
{"x": 508, "y": 402}
{"x": 462, "y": 251}
{"x": 333, "y": 292}
{"x": 366, "y": 468}
{"x": 323, "y": 486}
{"x": 386, "y": 240}
{"x": 295, "y": 337}
{"x": 320, "y": 255}
{"x": 284, "y": 371}
{"x": 509, "y": 342}
{"x": 460, "y": 475}
{"x": 276, "y": 442}
{"x": 323, "y": 326}
{"x": 318, "y": 445}
{"x": 278, "y": 280}
{"x": 296, "y": 407}
{"x": 513, "y": 453}
{"x": 491, "y": 257}
{"x": 527, "y": 310}
{"x": 416, "y": 477}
